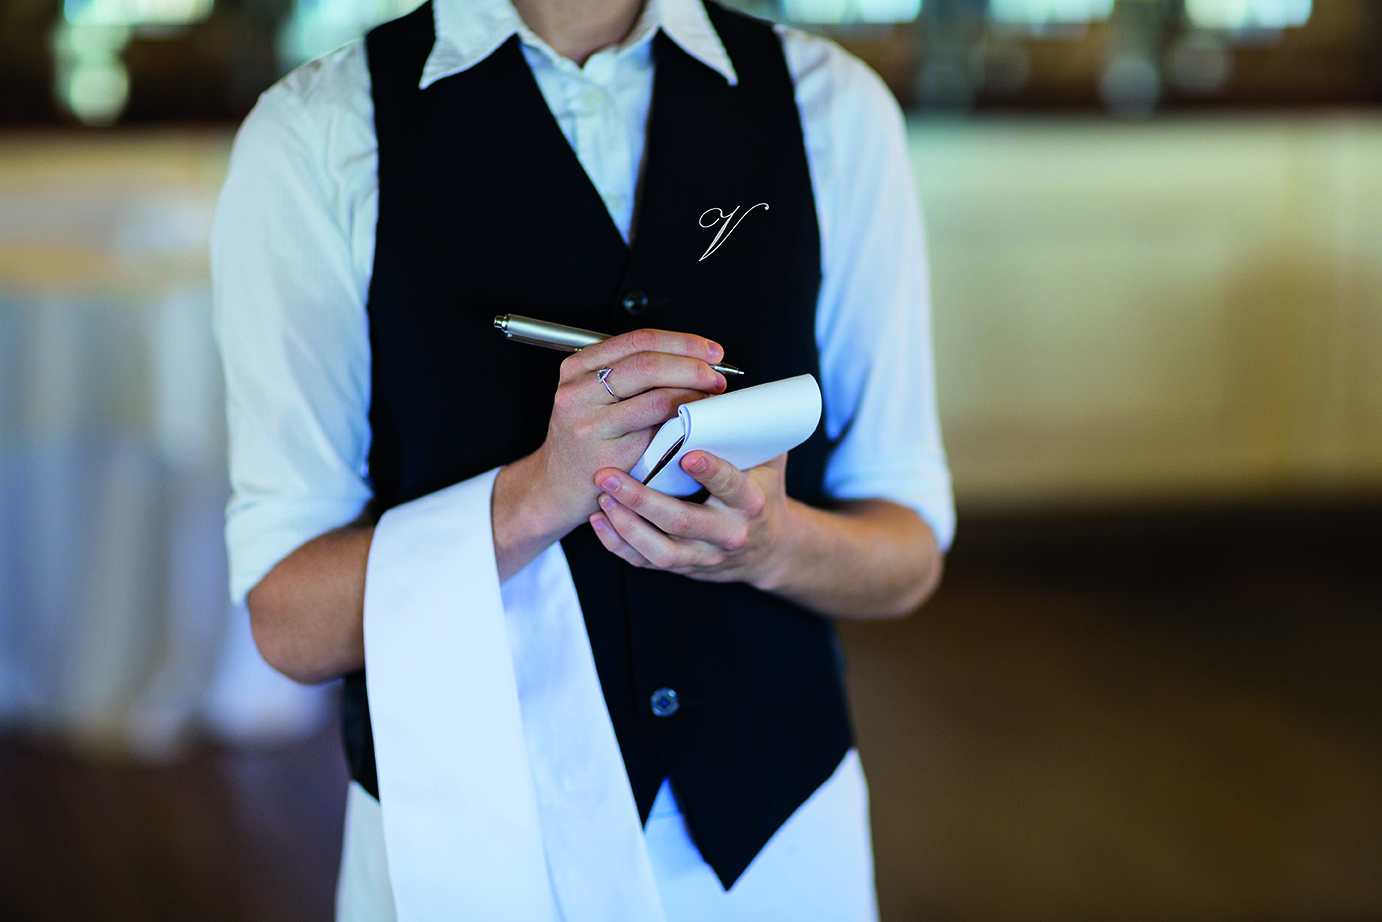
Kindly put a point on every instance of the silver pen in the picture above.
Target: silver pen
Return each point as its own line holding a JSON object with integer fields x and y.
{"x": 563, "y": 338}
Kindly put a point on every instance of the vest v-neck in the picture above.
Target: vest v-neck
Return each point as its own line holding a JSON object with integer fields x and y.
{"x": 553, "y": 138}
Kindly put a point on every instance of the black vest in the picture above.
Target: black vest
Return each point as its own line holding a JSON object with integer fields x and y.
{"x": 484, "y": 209}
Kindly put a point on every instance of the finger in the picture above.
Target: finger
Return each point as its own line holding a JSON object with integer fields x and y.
{"x": 646, "y": 411}
{"x": 660, "y": 550}
{"x": 691, "y": 521}
{"x": 592, "y": 358}
{"x": 614, "y": 542}
{"x": 727, "y": 483}
{"x": 644, "y": 371}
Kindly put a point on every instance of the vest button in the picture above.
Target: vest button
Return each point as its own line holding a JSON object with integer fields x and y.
{"x": 665, "y": 702}
{"x": 635, "y": 303}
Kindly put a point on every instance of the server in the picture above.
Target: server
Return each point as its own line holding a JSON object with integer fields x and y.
{"x": 600, "y": 170}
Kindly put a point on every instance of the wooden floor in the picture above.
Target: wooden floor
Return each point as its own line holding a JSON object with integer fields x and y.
{"x": 229, "y": 836}
{"x": 1107, "y": 717}
{"x": 1178, "y": 718}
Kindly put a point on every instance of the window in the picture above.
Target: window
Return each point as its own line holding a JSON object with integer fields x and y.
{"x": 1037, "y": 14}
{"x": 1241, "y": 15}
{"x": 832, "y": 12}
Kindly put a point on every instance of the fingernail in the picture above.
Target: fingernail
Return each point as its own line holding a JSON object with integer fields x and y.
{"x": 598, "y": 522}
{"x": 698, "y": 465}
{"x": 606, "y": 501}
{"x": 717, "y": 351}
{"x": 719, "y": 380}
{"x": 610, "y": 483}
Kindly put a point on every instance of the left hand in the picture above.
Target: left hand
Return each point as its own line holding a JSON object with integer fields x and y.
{"x": 736, "y": 535}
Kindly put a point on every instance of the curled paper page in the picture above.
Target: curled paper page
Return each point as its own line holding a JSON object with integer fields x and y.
{"x": 745, "y": 428}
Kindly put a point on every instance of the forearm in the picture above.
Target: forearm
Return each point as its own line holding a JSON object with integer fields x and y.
{"x": 308, "y": 612}
{"x": 867, "y": 559}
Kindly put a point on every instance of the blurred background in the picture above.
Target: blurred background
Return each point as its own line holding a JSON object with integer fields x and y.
{"x": 1151, "y": 686}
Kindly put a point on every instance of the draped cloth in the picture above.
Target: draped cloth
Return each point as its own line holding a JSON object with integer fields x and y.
{"x": 500, "y": 777}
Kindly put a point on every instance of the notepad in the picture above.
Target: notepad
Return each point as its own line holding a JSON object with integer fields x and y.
{"x": 745, "y": 427}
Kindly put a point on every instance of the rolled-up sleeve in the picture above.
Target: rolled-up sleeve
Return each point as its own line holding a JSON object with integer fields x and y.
{"x": 873, "y": 323}
{"x": 290, "y": 321}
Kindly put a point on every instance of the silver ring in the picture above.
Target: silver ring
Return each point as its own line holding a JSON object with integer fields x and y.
{"x": 603, "y": 374}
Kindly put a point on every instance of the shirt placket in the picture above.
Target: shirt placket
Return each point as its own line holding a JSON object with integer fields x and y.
{"x": 601, "y": 140}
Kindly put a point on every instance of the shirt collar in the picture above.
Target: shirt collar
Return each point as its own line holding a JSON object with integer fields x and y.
{"x": 468, "y": 31}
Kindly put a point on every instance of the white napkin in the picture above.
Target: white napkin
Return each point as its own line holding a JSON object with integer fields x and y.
{"x": 745, "y": 428}
{"x": 503, "y": 790}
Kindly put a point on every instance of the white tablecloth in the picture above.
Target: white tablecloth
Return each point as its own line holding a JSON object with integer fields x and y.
{"x": 115, "y": 626}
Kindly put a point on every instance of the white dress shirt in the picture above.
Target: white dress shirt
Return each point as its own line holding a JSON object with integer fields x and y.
{"x": 293, "y": 249}
{"x": 292, "y": 253}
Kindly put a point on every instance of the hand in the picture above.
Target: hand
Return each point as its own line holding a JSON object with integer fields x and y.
{"x": 737, "y": 535}
{"x": 652, "y": 372}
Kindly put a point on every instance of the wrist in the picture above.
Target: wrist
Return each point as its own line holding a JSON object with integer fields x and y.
{"x": 775, "y": 570}
{"x": 524, "y": 518}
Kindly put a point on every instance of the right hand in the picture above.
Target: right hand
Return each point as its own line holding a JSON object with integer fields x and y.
{"x": 652, "y": 372}
{"x": 543, "y": 496}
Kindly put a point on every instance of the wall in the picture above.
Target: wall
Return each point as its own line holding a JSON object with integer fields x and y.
{"x": 1175, "y": 310}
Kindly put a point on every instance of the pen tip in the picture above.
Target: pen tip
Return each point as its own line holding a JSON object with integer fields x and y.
{"x": 501, "y": 322}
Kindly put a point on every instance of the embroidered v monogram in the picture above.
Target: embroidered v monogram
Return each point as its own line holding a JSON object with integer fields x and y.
{"x": 726, "y": 228}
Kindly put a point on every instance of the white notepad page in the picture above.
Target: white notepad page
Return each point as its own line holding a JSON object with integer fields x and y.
{"x": 745, "y": 428}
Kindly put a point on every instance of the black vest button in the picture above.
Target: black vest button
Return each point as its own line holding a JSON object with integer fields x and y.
{"x": 635, "y": 303}
{"x": 665, "y": 702}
